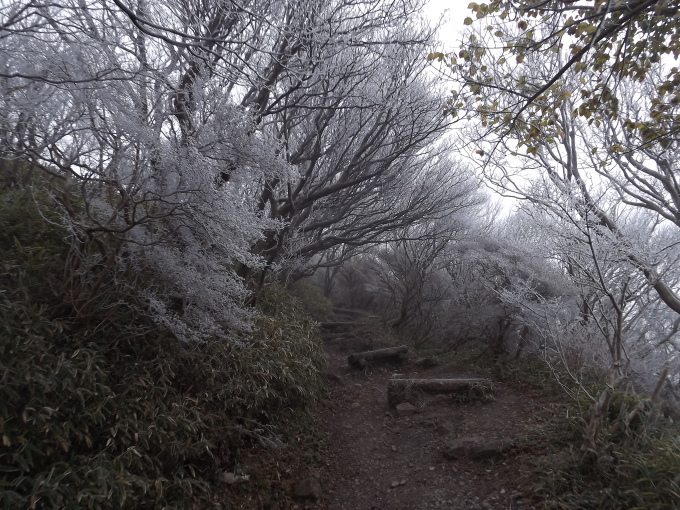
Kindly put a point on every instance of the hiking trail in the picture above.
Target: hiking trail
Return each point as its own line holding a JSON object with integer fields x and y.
{"x": 440, "y": 453}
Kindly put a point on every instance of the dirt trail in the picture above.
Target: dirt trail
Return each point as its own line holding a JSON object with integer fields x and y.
{"x": 379, "y": 460}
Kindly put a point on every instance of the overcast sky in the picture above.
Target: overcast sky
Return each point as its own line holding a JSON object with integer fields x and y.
{"x": 455, "y": 11}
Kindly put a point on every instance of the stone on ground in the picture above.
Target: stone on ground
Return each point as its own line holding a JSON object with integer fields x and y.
{"x": 405, "y": 409}
{"x": 427, "y": 363}
{"x": 309, "y": 488}
{"x": 474, "y": 448}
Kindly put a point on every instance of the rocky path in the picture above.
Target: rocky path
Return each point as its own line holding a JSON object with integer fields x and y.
{"x": 380, "y": 459}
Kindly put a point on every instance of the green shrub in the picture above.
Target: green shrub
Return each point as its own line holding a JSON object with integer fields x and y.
{"x": 652, "y": 473}
{"x": 278, "y": 368}
{"x": 635, "y": 465}
{"x": 312, "y": 300}
{"x": 106, "y": 409}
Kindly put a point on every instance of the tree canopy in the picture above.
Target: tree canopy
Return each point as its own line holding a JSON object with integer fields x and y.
{"x": 603, "y": 42}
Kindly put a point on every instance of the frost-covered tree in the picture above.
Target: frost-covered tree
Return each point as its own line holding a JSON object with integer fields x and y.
{"x": 602, "y": 186}
{"x": 609, "y": 319}
{"x": 204, "y": 141}
{"x": 364, "y": 133}
{"x": 411, "y": 280}
{"x": 136, "y": 129}
{"x": 569, "y": 141}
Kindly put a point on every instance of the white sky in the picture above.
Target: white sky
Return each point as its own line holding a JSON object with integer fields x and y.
{"x": 454, "y": 11}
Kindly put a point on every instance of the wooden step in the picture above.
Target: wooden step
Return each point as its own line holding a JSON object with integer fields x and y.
{"x": 361, "y": 359}
{"x": 400, "y": 390}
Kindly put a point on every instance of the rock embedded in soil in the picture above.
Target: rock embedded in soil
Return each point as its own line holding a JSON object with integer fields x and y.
{"x": 405, "y": 409}
{"x": 232, "y": 478}
{"x": 309, "y": 488}
{"x": 362, "y": 359}
{"x": 443, "y": 429}
{"x": 333, "y": 378}
{"x": 427, "y": 363}
{"x": 474, "y": 448}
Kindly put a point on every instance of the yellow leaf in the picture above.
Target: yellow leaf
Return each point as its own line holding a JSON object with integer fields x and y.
{"x": 468, "y": 21}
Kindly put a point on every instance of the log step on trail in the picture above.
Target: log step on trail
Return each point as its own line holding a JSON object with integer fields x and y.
{"x": 399, "y": 390}
{"x": 361, "y": 359}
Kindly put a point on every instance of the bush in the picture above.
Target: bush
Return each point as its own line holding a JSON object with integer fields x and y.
{"x": 312, "y": 300}
{"x": 109, "y": 410}
{"x": 636, "y": 464}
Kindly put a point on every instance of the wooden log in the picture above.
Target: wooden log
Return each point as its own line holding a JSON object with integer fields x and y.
{"x": 361, "y": 359}
{"x": 400, "y": 390}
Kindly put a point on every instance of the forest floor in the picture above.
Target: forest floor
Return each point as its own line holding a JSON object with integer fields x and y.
{"x": 368, "y": 456}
